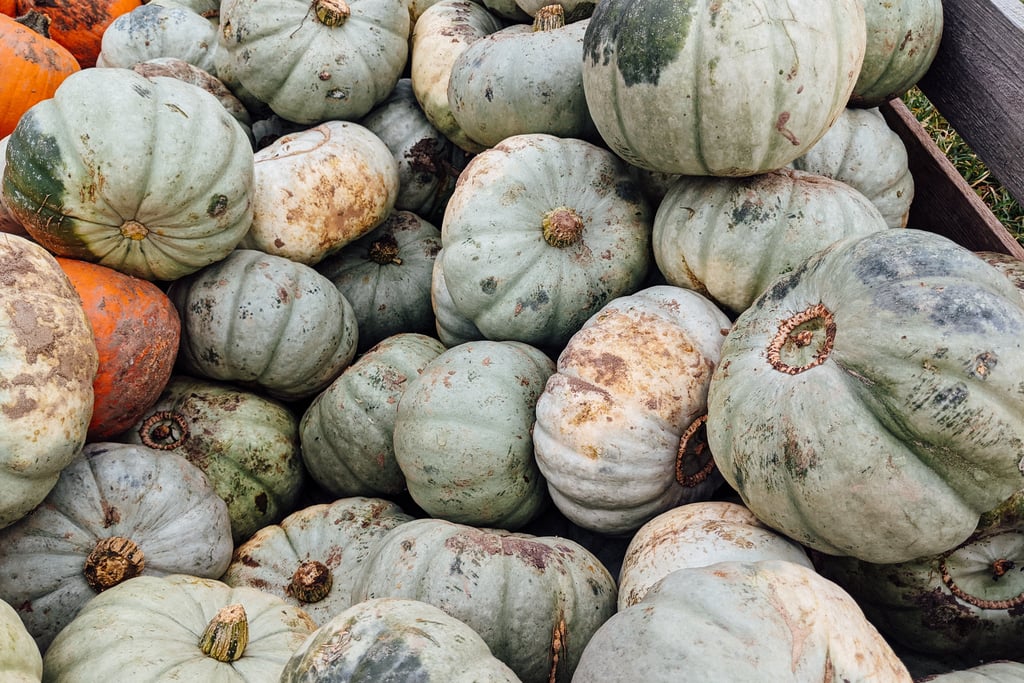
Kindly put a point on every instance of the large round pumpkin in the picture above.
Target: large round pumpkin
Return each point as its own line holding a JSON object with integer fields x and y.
{"x": 703, "y": 87}
{"x": 264, "y": 321}
{"x": 117, "y": 511}
{"x": 196, "y": 629}
{"x": 741, "y": 621}
{"x": 151, "y": 177}
{"x": 539, "y": 234}
{"x": 619, "y": 432}
{"x": 868, "y": 403}
{"x": 316, "y": 61}
{"x": 246, "y": 443}
{"x": 463, "y": 434}
{"x": 34, "y": 65}
{"x": 48, "y": 362}
{"x": 136, "y": 329}
{"x": 535, "y": 600}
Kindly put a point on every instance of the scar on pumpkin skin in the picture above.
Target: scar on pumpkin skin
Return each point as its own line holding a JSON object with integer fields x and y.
{"x": 780, "y": 125}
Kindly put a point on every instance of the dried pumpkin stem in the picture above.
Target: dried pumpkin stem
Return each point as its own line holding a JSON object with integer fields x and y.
{"x": 113, "y": 560}
{"x": 385, "y": 251}
{"x": 331, "y": 13}
{"x": 164, "y": 430}
{"x": 549, "y": 18}
{"x": 562, "y": 227}
{"x": 37, "y": 21}
{"x": 693, "y": 443}
{"x": 812, "y": 327}
{"x": 999, "y": 567}
{"x": 311, "y": 582}
{"x": 227, "y": 635}
{"x": 134, "y": 230}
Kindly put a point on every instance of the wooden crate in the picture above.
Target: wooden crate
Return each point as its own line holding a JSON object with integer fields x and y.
{"x": 977, "y": 83}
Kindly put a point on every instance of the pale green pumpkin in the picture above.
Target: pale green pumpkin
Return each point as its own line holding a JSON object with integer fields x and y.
{"x": 741, "y": 621}
{"x": 868, "y": 403}
{"x": 462, "y": 434}
{"x": 535, "y": 600}
{"x": 246, "y": 443}
{"x": 153, "y": 30}
{"x": 395, "y": 639}
{"x": 151, "y": 177}
{"x": 347, "y": 432}
{"x": 149, "y": 628}
{"x": 709, "y": 88}
{"x": 20, "y": 660}
{"x": 316, "y": 61}
{"x": 540, "y": 233}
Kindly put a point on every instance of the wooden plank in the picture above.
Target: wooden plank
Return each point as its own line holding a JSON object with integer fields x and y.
{"x": 976, "y": 83}
{"x": 943, "y": 201}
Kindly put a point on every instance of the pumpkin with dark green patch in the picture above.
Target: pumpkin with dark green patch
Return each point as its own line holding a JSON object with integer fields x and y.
{"x": 703, "y": 87}
{"x": 151, "y": 177}
{"x": 869, "y": 404}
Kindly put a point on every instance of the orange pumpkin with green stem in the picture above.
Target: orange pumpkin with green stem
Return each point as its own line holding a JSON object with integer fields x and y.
{"x": 34, "y": 65}
{"x": 137, "y": 331}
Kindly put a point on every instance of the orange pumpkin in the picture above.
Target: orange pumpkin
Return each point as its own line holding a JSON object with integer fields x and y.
{"x": 78, "y": 25}
{"x": 33, "y": 66}
{"x": 8, "y": 7}
{"x": 137, "y": 331}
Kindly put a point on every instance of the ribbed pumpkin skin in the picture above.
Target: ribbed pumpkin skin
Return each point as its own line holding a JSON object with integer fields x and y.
{"x": 155, "y": 30}
{"x": 339, "y": 535}
{"x": 137, "y": 330}
{"x": 266, "y": 322}
{"x": 386, "y": 276}
{"x": 48, "y": 362}
{"x": 700, "y": 87}
{"x": 535, "y": 600}
{"x": 501, "y": 271}
{"x": 160, "y": 502}
{"x": 394, "y": 639}
{"x": 462, "y": 434}
{"x": 868, "y": 403}
{"x": 521, "y": 80}
{"x": 347, "y": 431}
{"x": 34, "y": 66}
{"x": 246, "y": 443}
{"x": 902, "y": 40}
{"x": 959, "y": 606}
{"x": 698, "y": 534}
{"x": 149, "y": 177}
{"x": 611, "y": 421}
{"x": 741, "y": 621}
{"x": 20, "y": 660}
{"x": 79, "y": 25}
{"x": 8, "y": 223}
{"x": 308, "y": 71}
{"x": 729, "y": 238}
{"x": 150, "y": 626}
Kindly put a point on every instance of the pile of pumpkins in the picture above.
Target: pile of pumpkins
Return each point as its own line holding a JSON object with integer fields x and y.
{"x": 493, "y": 340}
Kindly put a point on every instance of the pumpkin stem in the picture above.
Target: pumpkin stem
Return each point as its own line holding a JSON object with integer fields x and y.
{"x": 803, "y": 341}
{"x": 999, "y": 568}
{"x": 227, "y": 635}
{"x": 562, "y": 227}
{"x": 37, "y": 21}
{"x": 694, "y": 443}
{"x": 549, "y": 18}
{"x": 134, "y": 230}
{"x": 164, "y": 430}
{"x": 385, "y": 251}
{"x": 331, "y": 13}
{"x": 311, "y": 582}
{"x": 113, "y": 560}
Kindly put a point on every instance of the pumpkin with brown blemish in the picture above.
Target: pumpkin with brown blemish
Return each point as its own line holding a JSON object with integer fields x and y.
{"x": 868, "y": 404}
{"x": 535, "y": 600}
{"x": 79, "y": 25}
{"x": 312, "y": 558}
{"x": 246, "y": 443}
{"x": 118, "y": 511}
{"x": 155, "y": 30}
{"x": 48, "y": 362}
{"x": 619, "y": 435}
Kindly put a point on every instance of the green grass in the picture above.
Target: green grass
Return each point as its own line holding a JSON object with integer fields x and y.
{"x": 974, "y": 171}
